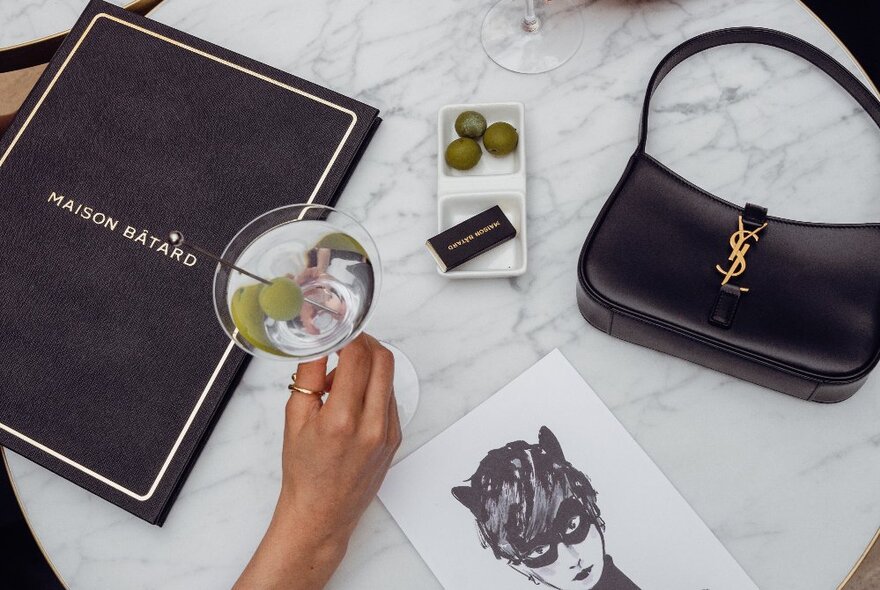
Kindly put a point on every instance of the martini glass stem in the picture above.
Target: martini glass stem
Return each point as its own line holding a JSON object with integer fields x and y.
{"x": 522, "y": 40}
{"x": 530, "y": 22}
{"x": 219, "y": 260}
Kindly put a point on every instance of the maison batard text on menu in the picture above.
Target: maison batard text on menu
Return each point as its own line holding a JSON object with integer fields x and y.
{"x": 107, "y": 222}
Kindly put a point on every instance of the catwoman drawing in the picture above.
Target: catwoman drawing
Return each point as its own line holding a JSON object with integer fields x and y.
{"x": 539, "y": 513}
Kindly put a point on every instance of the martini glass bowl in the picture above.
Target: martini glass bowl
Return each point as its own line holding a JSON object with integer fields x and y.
{"x": 311, "y": 278}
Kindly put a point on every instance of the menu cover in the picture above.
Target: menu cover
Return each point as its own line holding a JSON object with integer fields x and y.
{"x": 114, "y": 366}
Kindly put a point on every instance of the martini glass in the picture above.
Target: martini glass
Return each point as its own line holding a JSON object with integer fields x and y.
{"x": 310, "y": 282}
{"x": 522, "y": 39}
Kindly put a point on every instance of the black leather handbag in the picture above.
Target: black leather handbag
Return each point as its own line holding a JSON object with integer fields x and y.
{"x": 789, "y": 305}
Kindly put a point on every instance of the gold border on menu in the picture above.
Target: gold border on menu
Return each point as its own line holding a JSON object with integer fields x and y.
{"x": 352, "y": 114}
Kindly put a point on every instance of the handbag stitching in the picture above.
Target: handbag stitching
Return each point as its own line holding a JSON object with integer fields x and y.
{"x": 757, "y": 361}
{"x": 813, "y": 393}
{"x": 721, "y": 347}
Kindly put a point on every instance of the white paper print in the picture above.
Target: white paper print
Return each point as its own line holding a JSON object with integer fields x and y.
{"x": 542, "y": 485}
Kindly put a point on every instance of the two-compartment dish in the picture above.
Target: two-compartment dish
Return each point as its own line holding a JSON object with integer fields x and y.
{"x": 493, "y": 181}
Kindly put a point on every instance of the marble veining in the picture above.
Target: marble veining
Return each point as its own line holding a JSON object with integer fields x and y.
{"x": 789, "y": 487}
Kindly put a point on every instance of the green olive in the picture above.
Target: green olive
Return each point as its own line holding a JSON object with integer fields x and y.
{"x": 470, "y": 124}
{"x": 463, "y": 154}
{"x": 248, "y": 317}
{"x": 281, "y": 300}
{"x": 341, "y": 241}
{"x": 500, "y": 139}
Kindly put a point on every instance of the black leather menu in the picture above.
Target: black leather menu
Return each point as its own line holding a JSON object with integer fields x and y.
{"x": 114, "y": 367}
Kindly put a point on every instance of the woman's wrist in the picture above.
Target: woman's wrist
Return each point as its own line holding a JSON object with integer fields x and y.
{"x": 295, "y": 553}
{"x": 312, "y": 535}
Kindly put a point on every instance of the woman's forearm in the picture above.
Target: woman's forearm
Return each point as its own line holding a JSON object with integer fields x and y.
{"x": 333, "y": 460}
{"x": 293, "y": 555}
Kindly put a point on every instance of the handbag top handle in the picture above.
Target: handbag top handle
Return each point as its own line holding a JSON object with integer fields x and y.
{"x": 760, "y": 36}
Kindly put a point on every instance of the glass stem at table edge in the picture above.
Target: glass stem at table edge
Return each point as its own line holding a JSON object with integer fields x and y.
{"x": 176, "y": 239}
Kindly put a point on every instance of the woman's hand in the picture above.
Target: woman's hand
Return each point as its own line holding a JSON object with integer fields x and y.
{"x": 334, "y": 459}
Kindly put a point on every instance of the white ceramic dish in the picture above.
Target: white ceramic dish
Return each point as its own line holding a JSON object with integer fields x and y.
{"x": 493, "y": 181}
{"x": 506, "y": 260}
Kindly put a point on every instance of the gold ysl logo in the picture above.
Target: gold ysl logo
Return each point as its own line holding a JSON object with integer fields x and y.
{"x": 739, "y": 247}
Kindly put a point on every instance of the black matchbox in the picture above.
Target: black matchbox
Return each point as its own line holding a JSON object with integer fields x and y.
{"x": 114, "y": 367}
{"x": 470, "y": 238}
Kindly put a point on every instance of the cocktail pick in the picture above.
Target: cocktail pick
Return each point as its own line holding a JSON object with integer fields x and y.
{"x": 176, "y": 238}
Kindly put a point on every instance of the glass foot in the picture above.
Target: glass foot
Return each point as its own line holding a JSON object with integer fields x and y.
{"x": 406, "y": 385}
{"x": 556, "y": 38}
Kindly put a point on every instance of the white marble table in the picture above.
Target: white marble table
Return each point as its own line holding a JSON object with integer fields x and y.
{"x": 790, "y": 488}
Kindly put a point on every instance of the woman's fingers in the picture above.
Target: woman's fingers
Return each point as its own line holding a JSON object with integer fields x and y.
{"x": 346, "y": 400}
{"x": 392, "y": 442}
{"x": 394, "y": 432}
{"x": 361, "y": 396}
{"x": 303, "y": 406}
{"x": 379, "y": 387}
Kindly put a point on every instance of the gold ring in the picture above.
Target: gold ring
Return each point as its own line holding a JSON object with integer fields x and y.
{"x": 294, "y": 387}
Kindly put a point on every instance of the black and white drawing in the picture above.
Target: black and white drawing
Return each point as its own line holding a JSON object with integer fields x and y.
{"x": 541, "y": 487}
{"x": 540, "y": 514}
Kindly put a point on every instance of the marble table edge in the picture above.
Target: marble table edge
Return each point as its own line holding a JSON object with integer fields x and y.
{"x": 870, "y": 83}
